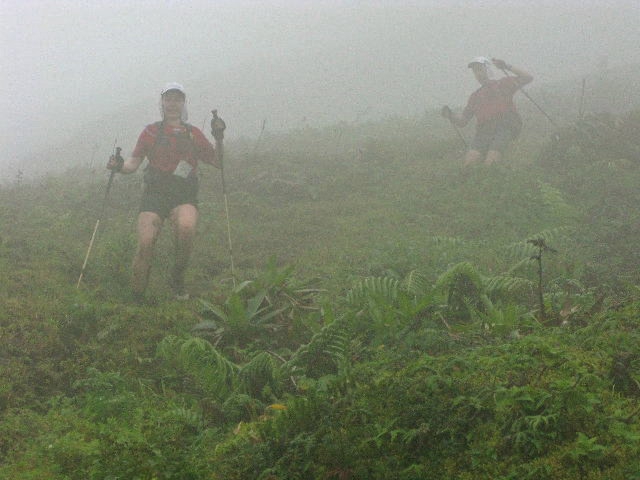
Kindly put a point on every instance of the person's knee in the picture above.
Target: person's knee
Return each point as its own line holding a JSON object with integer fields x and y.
{"x": 147, "y": 239}
{"x": 186, "y": 227}
{"x": 185, "y": 221}
{"x": 149, "y": 226}
{"x": 146, "y": 245}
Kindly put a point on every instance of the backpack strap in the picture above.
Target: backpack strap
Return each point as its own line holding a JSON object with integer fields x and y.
{"x": 160, "y": 132}
{"x": 188, "y": 128}
{"x": 192, "y": 142}
{"x": 160, "y": 125}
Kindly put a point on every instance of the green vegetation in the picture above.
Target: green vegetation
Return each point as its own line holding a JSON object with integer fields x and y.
{"x": 386, "y": 321}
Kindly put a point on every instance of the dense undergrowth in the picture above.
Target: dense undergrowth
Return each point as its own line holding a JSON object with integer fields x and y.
{"x": 385, "y": 324}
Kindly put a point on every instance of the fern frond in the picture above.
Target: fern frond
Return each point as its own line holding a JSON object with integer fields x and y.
{"x": 525, "y": 262}
{"x": 508, "y": 285}
{"x": 258, "y": 373}
{"x": 460, "y": 271}
{"x": 326, "y": 350}
{"x": 380, "y": 287}
{"x": 210, "y": 367}
{"x": 416, "y": 284}
{"x": 186, "y": 416}
{"x": 336, "y": 347}
{"x": 524, "y": 249}
{"x": 168, "y": 347}
{"x": 464, "y": 289}
{"x": 200, "y": 360}
{"x": 554, "y": 200}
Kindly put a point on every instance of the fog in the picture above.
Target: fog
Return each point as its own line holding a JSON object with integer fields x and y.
{"x": 76, "y": 74}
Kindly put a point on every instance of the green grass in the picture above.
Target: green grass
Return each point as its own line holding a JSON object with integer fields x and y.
{"x": 388, "y": 326}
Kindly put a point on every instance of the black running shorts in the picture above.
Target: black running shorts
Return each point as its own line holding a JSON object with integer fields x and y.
{"x": 496, "y": 134}
{"x": 163, "y": 193}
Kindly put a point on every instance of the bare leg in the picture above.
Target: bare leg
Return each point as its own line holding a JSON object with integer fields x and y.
{"x": 472, "y": 157}
{"x": 184, "y": 219}
{"x": 149, "y": 226}
{"x": 493, "y": 156}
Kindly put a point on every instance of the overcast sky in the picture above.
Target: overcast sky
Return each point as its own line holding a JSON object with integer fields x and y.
{"x": 67, "y": 63}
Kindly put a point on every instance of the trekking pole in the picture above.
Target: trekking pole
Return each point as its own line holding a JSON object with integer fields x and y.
{"x": 581, "y": 109}
{"x": 532, "y": 100}
{"x": 117, "y": 151}
{"x": 255, "y": 147}
{"x": 446, "y": 112}
{"x": 217, "y": 131}
{"x": 466, "y": 145}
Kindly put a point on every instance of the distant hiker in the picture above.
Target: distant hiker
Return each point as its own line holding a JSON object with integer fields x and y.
{"x": 497, "y": 121}
{"x": 174, "y": 149}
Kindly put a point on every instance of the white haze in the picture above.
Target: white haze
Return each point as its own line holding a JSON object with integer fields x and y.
{"x": 92, "y": 68}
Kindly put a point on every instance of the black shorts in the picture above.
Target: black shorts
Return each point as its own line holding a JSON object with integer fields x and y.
{"x": 164, "y": 192}
{"x": 496, "y": 134}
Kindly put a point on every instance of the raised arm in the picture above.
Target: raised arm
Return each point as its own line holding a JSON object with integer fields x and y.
{"x": 521, "y": 76}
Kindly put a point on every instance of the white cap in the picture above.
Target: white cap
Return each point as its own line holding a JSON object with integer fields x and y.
{"x": 184, "y": 116}
{"x": 173, "y": 86}
{"x": 480, "y": 60}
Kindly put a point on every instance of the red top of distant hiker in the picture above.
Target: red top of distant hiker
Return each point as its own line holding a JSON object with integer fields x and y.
{"x": 492, "y": 100}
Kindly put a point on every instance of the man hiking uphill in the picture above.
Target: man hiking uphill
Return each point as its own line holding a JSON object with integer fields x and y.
{"x": 174, "y": 149}
{"x": 497, "y": 121}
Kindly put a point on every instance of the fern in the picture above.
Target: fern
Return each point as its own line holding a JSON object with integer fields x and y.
{"x": 525, "y": 249}
{"x": 553, "y": 199}
{"x": 211, "y": 371}
{"x": 465, "y": 290}
{"x": 416, "y": 284}
{"x": 382, "y": 287}
{"x": 463, "y": 271}
{"x": 326, "y": 352}
{"x": 524, "y": 262}
{"x": 259, "y": 373}
{"x": 186, "y": 416}
{"x": 447, "y": 241}
{"x": 168, "y": 347}
{"x": 507, "y": 285}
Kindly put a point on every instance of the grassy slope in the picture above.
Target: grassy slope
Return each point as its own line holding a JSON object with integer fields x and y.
{"x": 83, "y": 391}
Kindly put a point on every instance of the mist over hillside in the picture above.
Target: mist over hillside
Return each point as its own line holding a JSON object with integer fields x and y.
{"x": 82, "y": 74}
{"x": 362, "y": 305}
{"x": 280, "y": 109}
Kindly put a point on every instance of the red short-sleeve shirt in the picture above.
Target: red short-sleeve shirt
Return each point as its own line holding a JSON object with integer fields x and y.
{"x": 492, "y": 100}
{"x": 175, "y": 144}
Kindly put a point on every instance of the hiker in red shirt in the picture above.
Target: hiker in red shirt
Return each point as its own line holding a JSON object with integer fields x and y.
{"x": 497, "y": 121}
{"x": 174, "y": 150}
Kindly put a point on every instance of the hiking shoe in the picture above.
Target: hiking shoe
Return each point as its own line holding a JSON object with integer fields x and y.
{"x": 141, "y": 300}
{"x": 179, "y": 292}
{"x": 138, "y": 298}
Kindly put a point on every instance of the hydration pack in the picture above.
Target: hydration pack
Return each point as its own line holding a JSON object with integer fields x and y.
{"x": 155, "y": 178}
